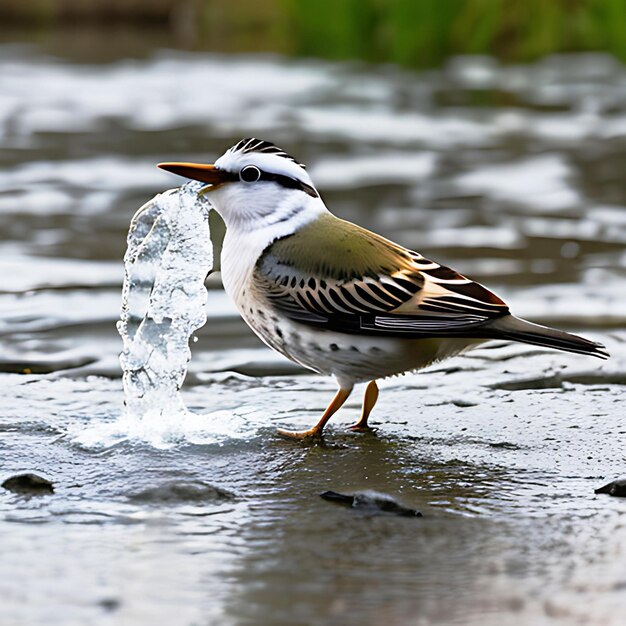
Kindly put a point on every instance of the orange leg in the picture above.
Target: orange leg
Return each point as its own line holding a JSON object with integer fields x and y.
{"x": 340, "y": 397}
{"x": 369, "y": 400}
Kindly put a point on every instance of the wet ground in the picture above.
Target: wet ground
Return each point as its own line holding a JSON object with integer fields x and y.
{"x": 513, "y": 175}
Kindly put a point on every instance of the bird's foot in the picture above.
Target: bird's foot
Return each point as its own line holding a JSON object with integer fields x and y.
{"x": 360, "y": 428}
{"x": 310, "y": 435}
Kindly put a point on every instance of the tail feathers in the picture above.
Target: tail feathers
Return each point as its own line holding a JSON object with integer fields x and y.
{"x": 516, "y": 329}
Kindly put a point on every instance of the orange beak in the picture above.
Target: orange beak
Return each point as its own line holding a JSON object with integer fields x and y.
{"x": 199, "y": 171}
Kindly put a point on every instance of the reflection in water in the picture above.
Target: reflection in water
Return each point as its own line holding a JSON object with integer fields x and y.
{"x": 310, "y": 558}
{"x": 306, "y": 558}
{"x": 511, "y": 174}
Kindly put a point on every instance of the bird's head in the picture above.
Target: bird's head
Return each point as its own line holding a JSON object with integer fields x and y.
{"x": 252, "y": 183}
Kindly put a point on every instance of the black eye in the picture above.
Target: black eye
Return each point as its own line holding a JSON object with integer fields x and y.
{"x": 249, "y": 174}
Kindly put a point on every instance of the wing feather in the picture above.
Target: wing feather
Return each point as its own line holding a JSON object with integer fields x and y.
{"x": 401, "y": 293}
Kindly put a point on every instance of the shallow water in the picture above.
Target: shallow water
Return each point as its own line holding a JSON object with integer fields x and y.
{"x": 513, "y": 175}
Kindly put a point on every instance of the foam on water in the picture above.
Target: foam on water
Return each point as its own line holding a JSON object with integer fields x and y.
{"x": 166, "y": 430}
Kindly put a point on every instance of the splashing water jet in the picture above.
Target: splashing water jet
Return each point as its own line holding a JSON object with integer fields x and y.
{"x": 169, "y": 255}
{"x": 164, "y": 299}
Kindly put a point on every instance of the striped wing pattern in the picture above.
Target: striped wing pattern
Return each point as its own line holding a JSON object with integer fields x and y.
{"x": 422, "y": 298}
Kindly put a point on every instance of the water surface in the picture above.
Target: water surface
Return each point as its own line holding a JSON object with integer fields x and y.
{"x": 513, "y": 175}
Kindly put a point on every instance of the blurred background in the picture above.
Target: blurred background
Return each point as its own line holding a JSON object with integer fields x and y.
{"x": 418, "y": 34}
{"x": 487, "y": 134}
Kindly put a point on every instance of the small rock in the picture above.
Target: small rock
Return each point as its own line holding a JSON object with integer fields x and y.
{"x": 504, "y": 445}
{"x": 28, "y": 485}
{"x": 616, "y": 488}
{"x": 463, "y": 402}
{"x": 370, "y": 502}
{"x": 173, "y": 492}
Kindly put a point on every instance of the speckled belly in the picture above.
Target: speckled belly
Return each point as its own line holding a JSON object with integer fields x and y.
{"x": 350, "y": 358}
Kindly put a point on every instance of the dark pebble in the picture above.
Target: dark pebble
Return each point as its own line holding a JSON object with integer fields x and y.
{"x": 110, "y": 604}
{"x": 370, "y": 502}
{"x": 173, "y": 492}
{"x": 28, "y": 485}
{"x": 616, "y": 488}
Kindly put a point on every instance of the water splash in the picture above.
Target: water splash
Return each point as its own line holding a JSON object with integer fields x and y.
{"x": 163, "y": 299}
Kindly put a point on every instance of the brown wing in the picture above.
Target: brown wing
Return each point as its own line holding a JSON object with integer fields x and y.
{"x": 398, "y": 293}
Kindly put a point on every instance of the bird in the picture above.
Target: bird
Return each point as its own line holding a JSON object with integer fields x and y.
{"x": 336, "y": 298}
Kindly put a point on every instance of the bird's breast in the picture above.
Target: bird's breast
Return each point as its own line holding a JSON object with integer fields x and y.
{"x": 239, "y": 256}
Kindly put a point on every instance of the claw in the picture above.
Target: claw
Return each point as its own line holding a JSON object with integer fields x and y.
{"x": 311, "y": 434}
{"x": 360, "y": 428}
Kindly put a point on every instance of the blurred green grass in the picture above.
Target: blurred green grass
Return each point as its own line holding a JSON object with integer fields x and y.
{"x": 416, "y": 33}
